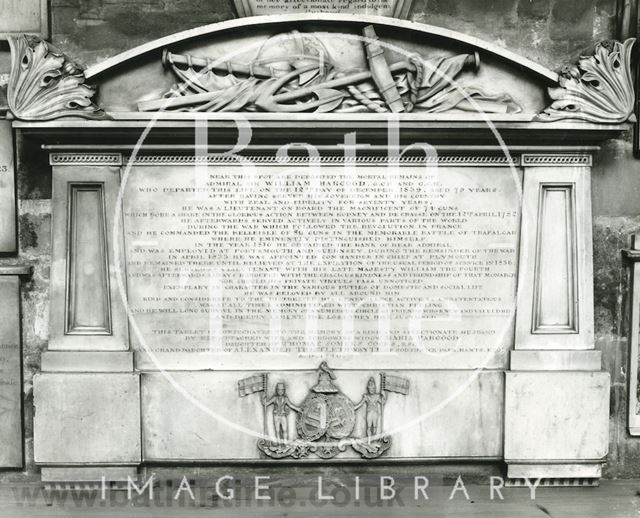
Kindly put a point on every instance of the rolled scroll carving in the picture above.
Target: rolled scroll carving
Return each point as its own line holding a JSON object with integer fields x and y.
{"x": 44, "y": 84}
{"x": 598, "y": 89}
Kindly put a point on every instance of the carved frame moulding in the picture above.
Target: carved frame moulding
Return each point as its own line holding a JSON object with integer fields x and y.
{"x": 489, "y": 160}
{"x": 271, "y": 131}
{"x": 486, "y": 155}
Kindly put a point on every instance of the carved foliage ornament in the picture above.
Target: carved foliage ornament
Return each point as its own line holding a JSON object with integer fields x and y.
{"x": 44, "y": 84}
{"x": 598, "y": 89}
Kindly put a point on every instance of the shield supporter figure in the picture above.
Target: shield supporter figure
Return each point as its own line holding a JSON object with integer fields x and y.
{"x": 281, "y": 409}
{"x": 374, "y": 405}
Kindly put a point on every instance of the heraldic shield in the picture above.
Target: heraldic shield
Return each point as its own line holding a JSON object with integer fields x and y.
{"x": 326, "y": 419}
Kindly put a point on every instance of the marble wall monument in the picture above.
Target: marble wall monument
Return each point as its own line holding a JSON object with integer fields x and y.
{"x": 320, "y": 237}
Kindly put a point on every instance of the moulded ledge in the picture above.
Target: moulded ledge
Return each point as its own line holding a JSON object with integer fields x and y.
{"x": 560, "y": 471}
{"x": 556, "y": 360}
{"x": 16, "y": 269}
{"x": 53, "y": 474}
{"x": 89, "y": 361}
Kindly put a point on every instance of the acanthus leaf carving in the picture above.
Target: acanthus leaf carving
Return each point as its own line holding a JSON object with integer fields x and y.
{"x": 45, "y": 85}
{"x": 598, "y": 89}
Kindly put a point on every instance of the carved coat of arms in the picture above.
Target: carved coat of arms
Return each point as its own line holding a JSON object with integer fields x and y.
{"x": 326, "y": 419}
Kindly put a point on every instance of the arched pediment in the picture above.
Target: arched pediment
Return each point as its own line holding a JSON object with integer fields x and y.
{"x": 315, "y": 63}
{"x": 413, "y": 30}
{"x": 491, "y": 74}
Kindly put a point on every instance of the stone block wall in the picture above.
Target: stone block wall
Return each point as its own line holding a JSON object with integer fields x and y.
{"x": 551, "y": 32}
{"x": 93, "y": 30}
{"x": 616, "y": 206}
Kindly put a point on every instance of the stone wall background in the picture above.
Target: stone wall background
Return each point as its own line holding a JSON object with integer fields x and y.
{"x": 551, "y": 32}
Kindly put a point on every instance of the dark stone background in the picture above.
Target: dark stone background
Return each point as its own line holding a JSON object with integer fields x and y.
{"x": 551, "y": 32}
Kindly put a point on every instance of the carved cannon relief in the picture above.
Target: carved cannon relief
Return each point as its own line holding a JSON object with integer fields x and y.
{"x": 294, "y": 72}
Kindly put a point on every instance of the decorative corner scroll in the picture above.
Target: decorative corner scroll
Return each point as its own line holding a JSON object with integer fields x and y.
{"x": 598, "y": 89}
{"x": 326, "y": 419}
{"x": 45, "y": 85}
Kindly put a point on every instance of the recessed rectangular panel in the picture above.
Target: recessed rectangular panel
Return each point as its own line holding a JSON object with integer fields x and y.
{"x": 10, "y": 373}
{"x": 555, "y": 289}
{"x": 7, "y": 190}
{"x": 88, "y": 283}
{"x": 86, "y": 310}
{"x": 555, "y": 276}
